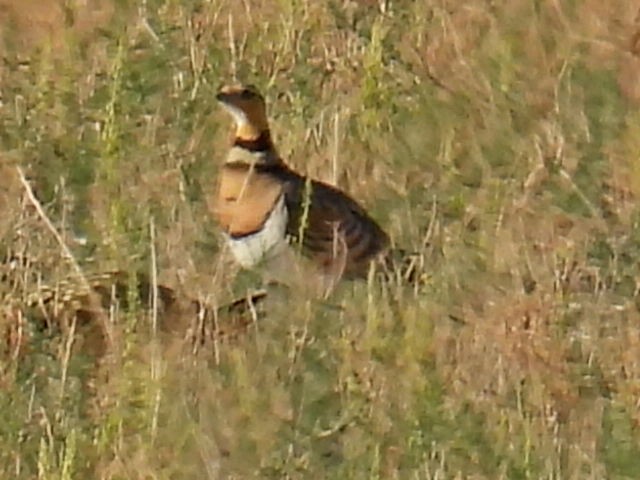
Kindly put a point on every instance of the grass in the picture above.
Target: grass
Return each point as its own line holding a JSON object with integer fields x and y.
{"x": 498, "y": 141}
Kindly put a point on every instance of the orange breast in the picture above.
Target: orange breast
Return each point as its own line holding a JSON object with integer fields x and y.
{"x": 245, "y": 200}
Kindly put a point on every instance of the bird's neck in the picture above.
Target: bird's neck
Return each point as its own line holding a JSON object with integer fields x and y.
{"x": 253, "y": 147}
{"x": 253, "y": 139}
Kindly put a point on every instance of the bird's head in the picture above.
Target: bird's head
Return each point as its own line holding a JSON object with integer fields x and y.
{"x": 248, "y": 109}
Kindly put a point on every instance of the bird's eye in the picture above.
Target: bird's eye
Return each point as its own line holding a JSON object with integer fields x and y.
{"x": 246, "y": 94}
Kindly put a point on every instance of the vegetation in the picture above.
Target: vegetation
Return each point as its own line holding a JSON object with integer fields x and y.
{"x": 498, "y": 140}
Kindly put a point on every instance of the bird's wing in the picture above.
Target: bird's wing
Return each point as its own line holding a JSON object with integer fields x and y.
{"x": 331, "y": 227}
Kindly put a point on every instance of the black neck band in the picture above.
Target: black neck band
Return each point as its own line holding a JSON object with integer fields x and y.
{"x": 260, "y": 144}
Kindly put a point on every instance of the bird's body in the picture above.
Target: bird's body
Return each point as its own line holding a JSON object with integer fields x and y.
{"x": 262, "y": 205}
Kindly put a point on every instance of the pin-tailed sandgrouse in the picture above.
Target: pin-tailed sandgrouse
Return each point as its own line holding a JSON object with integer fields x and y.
{"x": 262, "y": 204}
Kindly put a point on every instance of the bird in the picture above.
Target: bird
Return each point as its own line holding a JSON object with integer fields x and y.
{"x": 265, "y": 208}
{"x": 90, "y": 304}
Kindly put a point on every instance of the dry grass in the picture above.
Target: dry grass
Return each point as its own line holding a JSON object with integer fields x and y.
{"x": 498, "y": 140}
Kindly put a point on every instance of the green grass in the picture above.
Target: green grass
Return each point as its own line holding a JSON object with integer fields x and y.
{"x": 500, "y": 142}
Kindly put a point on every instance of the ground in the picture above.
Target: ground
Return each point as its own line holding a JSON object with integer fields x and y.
{"x": 498, "y": 141}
